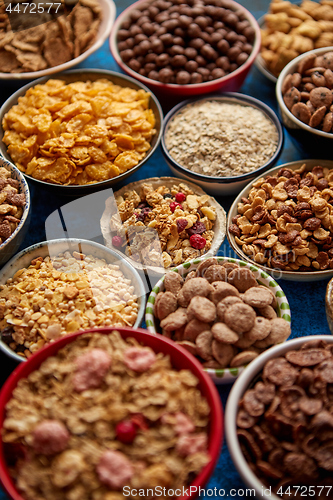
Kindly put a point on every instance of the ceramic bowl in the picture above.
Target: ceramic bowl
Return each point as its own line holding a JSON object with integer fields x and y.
{"x": 180, "y": 360}
{"x": 278, "y": 273}
{"x": 85, "y": 75}
{"x": 222, "y": 185}
{"x": 329, "y": 304}
{"x": 219, "y": 227}
{"x": 108, "y": 8}
{"x": 245, "y": 381}
{"x": 11, "y": 245}
{"x": 53, "y": 248}
{"x": 222, "y": 375}
{"x": 259, "y": 62}
{"x": 231, "y": 82}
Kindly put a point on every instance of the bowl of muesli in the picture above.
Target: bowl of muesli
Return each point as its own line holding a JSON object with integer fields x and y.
{"x": 161, "y": 222}
{"x": 279, "y": 420}
{"x": 224, "y": 311}
{"x": 208, "y": 141}
{"x": 55, "y": 288}
{"x": 141, "y": 415}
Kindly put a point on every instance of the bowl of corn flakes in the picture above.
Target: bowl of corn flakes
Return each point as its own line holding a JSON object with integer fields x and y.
{"x": 58, "y": 287}
{"x": 153, "y": 419}
{"x": 56, "y": 38}
{"x": 80, "y": 131}
{"x": 14, "y": 209}
{"x": 161, "y": 222}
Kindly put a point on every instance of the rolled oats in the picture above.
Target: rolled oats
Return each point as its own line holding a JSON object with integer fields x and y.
{"x": 143, "y": 424}
{"x": 58, "y": 296}
{"x": 213, "y": 138}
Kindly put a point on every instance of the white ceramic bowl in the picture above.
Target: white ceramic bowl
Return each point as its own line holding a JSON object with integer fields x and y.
{"x": 278, "y": 273}
{"x": 222, "y": 185}
{"x": 241, "y": 385}
{"x": 259, "y": 62}
{"x": 219, "y": 227}
{"x": 308, "y": 135}
{"x": 11, "y": 245}
{"x": 108, "y": 16}
{"x": 222, "y": 375}
{"x": 53, "y": 248}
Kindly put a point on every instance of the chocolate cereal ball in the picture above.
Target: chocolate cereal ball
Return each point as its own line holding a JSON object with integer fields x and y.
{"x": 172, "y": 41}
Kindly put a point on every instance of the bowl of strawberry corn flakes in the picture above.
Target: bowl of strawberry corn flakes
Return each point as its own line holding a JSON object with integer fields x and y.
{"x": 130, "y": 412}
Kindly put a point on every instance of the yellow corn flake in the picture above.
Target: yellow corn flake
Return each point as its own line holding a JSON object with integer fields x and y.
{"x": 79, "y": 133}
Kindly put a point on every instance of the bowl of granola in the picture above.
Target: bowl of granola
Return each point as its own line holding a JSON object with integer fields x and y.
{"x": 222, "y": 310}
{"x": 56, "y": 38}
{"x": 153, "y": 419}
{"x": 160, "y": 222}
{"x": 57, "y": 287}
{"x": 14, "y": 209}
{"x": 281, "y": 221}
{"x": 279, "y": 421}
{"x": 80, "y": 131}
{"x": 208, "y": 141}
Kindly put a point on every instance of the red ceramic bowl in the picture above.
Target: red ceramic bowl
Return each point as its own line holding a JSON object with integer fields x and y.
{"x": 228, "y": 83}
{"x": 180, "y": 359}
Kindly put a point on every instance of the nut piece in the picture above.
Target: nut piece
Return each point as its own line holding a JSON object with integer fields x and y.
{"x": 242, "y": 279}
{"x": 240, "y": 317}
{"x": 202, "y": 309}
{"x": 165, "y": 304}
{"x": 173, "y": 282}
{"x": 224, "y": 334}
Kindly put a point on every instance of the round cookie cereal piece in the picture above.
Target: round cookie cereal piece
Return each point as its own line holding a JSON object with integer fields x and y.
{"x": 317, "y": 117}
{"x": 191, "y": 274}
{"x": 211, "y": 364}
{"x": 328, "y": 122}
{"x": 244, "y": 342}
{"x": 328, "y": 60}
{"x": 306, "y": 63}
{"x": 223, "y": 353}
{"x": 260, "y": 330}
{"x": 302, "y": 112}
{"x": 280, "y": 331}
{"x": 215, "y": 273}
{"x": 321, "y": 96}
{"x": 230, "y": 266}
{"x": 224, "y": 304}
{"x": 242, "y": 279}
{"x": 291, "y": 97}
{"x": 267, "y": 312}
{"x": 221, "y": 290}
{"x": 205, "y": 264}
{"x": 243, "y": 358}
{"x": 257, "y": 297}
{"x": 193, "y": 287}
{"x": 175, "y": 320}
{"x": 193, "y": 328}
{"x": 274, "y": 301}
{"x": 204, "y": 345}
{"x": 202, "y": 309}
{"x": 173, "y": 282}
{"x": 240, "y": 317}
{"x": 224, "y": 334}
{"x": 189, "y": 346}
{"x": 165, "y": 304}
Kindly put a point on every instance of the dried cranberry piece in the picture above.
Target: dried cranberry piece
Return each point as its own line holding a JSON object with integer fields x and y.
{"x": 126, "y": 431}
{"x": 117, "y": 241}
{"x": 197, "y": 241}
{"x": 139, "y": 217}
{"x": 180, "y": 197}
{"x": 181, "y": 225}
{"x": 174, "y": 205}
{"x": 197, "y": 228}
{"x": 142, "y": 205}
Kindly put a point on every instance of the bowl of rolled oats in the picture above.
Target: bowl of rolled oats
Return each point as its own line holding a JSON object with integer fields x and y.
{"x": 14, "y": 209}
{"x": 56, "y": 38}
{"x": 222, "y": 310}
{"x": 130, "y": 412}
{"x": 58, "y": 287}
{"x": 208, "y": 141}
{"x": 160, "y": 222}
{"x": 80, "y": 131}
{"x": 304, "y": 95}
{"x": 282, "y": 221}
{"x": 279, "y": 420}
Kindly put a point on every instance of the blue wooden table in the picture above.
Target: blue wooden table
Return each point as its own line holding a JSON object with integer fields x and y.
{"x": 307, "y": 300}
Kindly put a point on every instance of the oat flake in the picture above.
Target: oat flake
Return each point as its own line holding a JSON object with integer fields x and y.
{"x": 221, "y": 139}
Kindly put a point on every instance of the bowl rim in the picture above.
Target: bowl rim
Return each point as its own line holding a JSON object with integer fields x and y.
{"x": 12, "y": 101}
{"x": 290, "y": 68}
{"x": 173, "y": 86}
{"x": 237, "y": 392}
{"x": 283, "y": 307}
{"x": 234, "y": 98}
{"x": 109, "y": 15}
{"x": 25, "y": 190}
{"x": 75, "y": 241}
{"x": 259, "y": 62}
{"x": 318, "y": 275}
{"x": 207, "y": 389}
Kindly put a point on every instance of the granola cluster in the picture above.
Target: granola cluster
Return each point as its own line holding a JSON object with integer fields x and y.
{"x": 286, "y": 222}
{"x": 12, "y": 204}
{"x": 52, "y": 298}
{"x": 163, "y": 226}
{"x": 104, "y": 413}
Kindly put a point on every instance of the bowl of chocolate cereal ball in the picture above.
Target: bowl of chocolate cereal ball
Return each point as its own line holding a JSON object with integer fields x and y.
{"x": 282, "y": 221}
{"x": 208, "y": 140}
{"x": 14, "y": 209}
{"x": 279, "y": 420}
{"x": 58, "y": 287}
{"x": 186, "y": 49}
{"x": 224, "y": 311}
{"x": 304, "y": 95}
{"x": 56, "y": 38}
{"x": 129, "y": 411}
